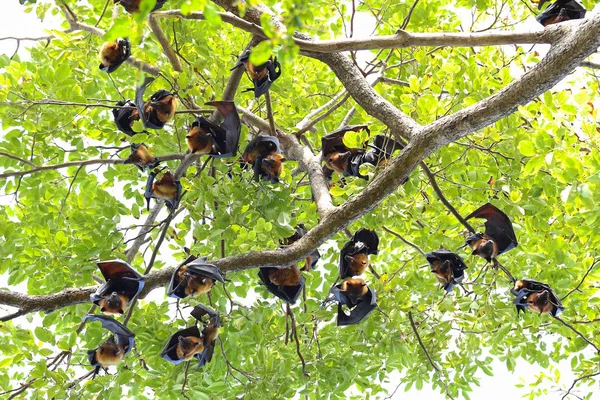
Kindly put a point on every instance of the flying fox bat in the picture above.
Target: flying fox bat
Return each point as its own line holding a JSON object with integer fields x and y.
{"x": 263, "y": 154}
{"x": 166, "y": 188}
{"x": 219, "y": 141}
{"x": 262, "y": 76}
{"x": 113, "y": 54}
{"x": 125, "y": 117}
{"x": 560, "y": 11}
{"x": 191, "y": 342}
{"x": 159, "y": 109}
{"x": 115, "y": 348}
{"x": 354, "y": 256}
{"x": 141, "y": 157}
{"x": 536, "y": 296}
{"x": 448, "y": 268}
{"x": 123, "y": 284}
{"x": 193, "y": 276}
{"x": 357, "y": 296}
{"x": 499, "y": 236}
{"x": 285, "y": 283}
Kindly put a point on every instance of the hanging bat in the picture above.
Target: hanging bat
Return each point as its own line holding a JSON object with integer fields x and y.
{"x": 133, "y": 6}
{"x": 123, "y": 284}
{"x": 263, "y": 154}
{"x": 115, "y": 348}
{"x": 141, "y": 157}
{"x": 499, "y": 236}
{"x": 382, "y": 149}
{"x": 262, "y": 76}
{"x": 210, "y": 331}
{"x": 125, "y": 117}
{"x": 192, "y": 277}
{"x": 448, "y": 268}
{"x": 536, "y": 296}
{"x": 354, "y": 256}
{"x": 560, "y": 11}
{"x": 285, "y": 283}
{"x": 113, "y": 54}
{"x": 159, "y": 109}
{"x": 357, "y": 297}
{"x": 340, "y": 158}
{"x": 219, "y": 141}
{"x": 166, "y": 188}
{"x": 313, "y": 258}
{"x": 191, "y": 342}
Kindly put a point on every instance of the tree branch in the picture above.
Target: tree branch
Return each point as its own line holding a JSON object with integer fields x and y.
{"x": 411, "y": 244}
{"x": 577, "y": 380}
{"x": 18, "y": 159}
{"x": 581, "y": 282}
{"x": 164, "y": 42}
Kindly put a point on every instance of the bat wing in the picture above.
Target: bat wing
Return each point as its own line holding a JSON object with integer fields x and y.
{"x": 343, "y": 268}
{"x": 228, "y": 142}
{"x": 497, "y": 226}
{"x": 173, "y": 203}
{"x": 124, "y": 54}
{"x": 148, "y": 194}
{"x": 116, "y": 269}
{"x": 369, "y": 238}
{"x": 521, "y": 300}
{"x": 300, "y": 232}
{"x": 243, "y": 59}
{"x": 357, "y": 159}
{"x": 382, "y": 148}
{"x": 206, "y": 356}
{"x": 122, "y": 334}
{"x": 122, "y": 117}
{"x": 176, "y": 288}
{"x": 358, "y": 313}
{"x": 574, "y": 10}
{"x": 334, "y": 141}
{"x": 201, "y": 310}
{"x": 150, "y": 121}
{"x": 289, "y": 294}
{"x": 169, "y": 352}
{"x": 200, "y": 267}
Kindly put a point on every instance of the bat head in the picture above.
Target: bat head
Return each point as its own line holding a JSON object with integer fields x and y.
{"x": 122, "y": 48}
{"x": 113, "y": 302}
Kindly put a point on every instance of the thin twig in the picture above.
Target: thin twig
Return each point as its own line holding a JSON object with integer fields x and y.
{"x": 578, "y": 333}
{"x": 62, "y": 206}
{"x": 411, "y": 244}
{"x": 435, "y": 367}
{"x": 577, "y": 380}
{"x": 295, "y": 336}
{"x": 185, "y": 378}
{"x": 581, "y": 282}
{"x": 270, "y": 113}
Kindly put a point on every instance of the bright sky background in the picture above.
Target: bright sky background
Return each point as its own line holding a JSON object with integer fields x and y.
{"x": 14, "y": 22}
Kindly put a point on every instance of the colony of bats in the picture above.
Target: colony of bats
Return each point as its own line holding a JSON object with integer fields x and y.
{"x": 195, "y": 276}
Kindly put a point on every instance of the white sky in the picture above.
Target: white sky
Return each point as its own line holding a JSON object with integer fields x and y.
{"x": 14, "y": 22}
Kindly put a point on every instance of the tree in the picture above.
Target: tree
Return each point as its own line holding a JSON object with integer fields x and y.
{"x": 470, "y": 106}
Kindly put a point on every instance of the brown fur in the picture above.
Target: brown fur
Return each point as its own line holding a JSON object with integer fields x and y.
{"x": 285, "y": 276}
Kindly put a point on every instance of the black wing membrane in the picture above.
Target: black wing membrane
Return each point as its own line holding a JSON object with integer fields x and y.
{"x": 176, "y": 288}
{"x": 124, "y": 47}
{"x": 169, "y": 352}
{"x": 123, "y": 336}
{"x": 227, "y": 141}
{"x": 150, "y": 120}
{"x": 456, "y": 263}
{"x": 571, "y": 9}
{"x": 358, "y": 311}
{"x": 289, "y": 294}
{"x": 497, "y": 226}
{"x": 363, "y": 241}
{"x": 383, "y": 148}
{"x": 122, "y": 116}
{"x": 121, "y": 278}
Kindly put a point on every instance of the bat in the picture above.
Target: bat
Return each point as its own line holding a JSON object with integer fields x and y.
{"x": 354, "y": 256}
{"x": 159, "y": 109}
{"x": 285, "y": 283}
{"x": 115, "y": 348}
{"x": 191, "y": 342}
{"x": 536, "y": 296}
{"x": 193, "y": 276}
{"x": 166, "y": 188}
{"x": 123, "y": 284}
{"x": 448, "y": 268}
{"x": 313, "y": 258}
{"x": 210, "y": 331}
{"x": 382, "y": 149}
{"x": 263, "y": 154}
{"x": 125, "y": 117}
{"x": 141, "y": 157}
{"x": 133, "y": 6}
{"x": 218, "y": 141}
{"x": 262, "y": 76}
{"x": 357, "y": 297}
{"x": 560, "y": 11}
{"x": 113, "y": 54}
{"x": 499, "y": 236}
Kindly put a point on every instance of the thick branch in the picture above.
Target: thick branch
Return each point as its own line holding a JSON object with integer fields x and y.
{"x": 164, "y": 42}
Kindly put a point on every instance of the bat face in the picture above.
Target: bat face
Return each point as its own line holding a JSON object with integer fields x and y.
{"x": 448, "y": 267}
{"x": 116, "y": 347}
{"x": 354, "y": 289}
{"x": 198, "y": 141}
{"x": 287, "y": 292}
{"x": 166, "y": 188}
{"x": 123, "y": 284}
{"x": 483, "y": 246}
{"x": 536, "y": 296}
{"x": 560, "y": 11}
{"x": 192, "y": 277}
{"x": 497, "y": 228}
{"x": 189, "y": 346}
{"x": 272, "y": 165}
{"x": 141, "y": 157}
{"x": 354, "y": 255}
{"x": 113, "y": 54}
{"x": 173, "y": 351}
{"x": 339, "y": 161}
{"x": 159, "y": 109}
{"x": 263, "y": 154}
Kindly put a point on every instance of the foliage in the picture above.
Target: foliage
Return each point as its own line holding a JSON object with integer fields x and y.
{"x": 540, "y": 165}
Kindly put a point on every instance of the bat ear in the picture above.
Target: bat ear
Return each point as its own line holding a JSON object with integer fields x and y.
{"x": 103, "y": 309}
{"x": 121, "y": 311}
{"x": 283, "y": 159}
